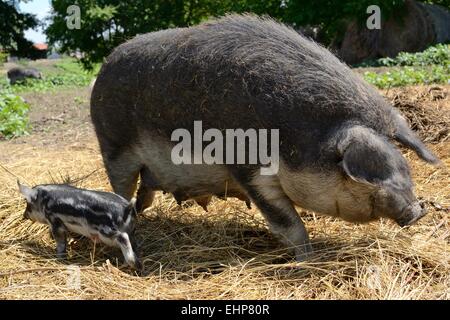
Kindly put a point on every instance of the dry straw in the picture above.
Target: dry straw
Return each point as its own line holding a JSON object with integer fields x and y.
{"x": 227, "y": 253}
{"x": 430, "y": 119}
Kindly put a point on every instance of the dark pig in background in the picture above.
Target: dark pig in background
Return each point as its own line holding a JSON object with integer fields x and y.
{"x": 336, "y": 154}
{"x": 16, "y": 75}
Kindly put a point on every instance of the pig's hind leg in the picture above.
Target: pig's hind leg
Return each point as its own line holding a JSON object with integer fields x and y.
{"x": 279, "y": 212}
{"x": 144, "y": 198}
{"x": 146, "y": 189}
{"x": 122, "y": 168}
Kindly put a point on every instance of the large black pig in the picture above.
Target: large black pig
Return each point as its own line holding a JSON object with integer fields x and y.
{"x": 245, "y": 72}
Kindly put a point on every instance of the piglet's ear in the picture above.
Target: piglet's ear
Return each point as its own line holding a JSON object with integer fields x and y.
{"x": 28, "y": 193}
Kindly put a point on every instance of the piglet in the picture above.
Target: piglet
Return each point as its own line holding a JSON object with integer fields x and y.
{"x": 101, "y": 216}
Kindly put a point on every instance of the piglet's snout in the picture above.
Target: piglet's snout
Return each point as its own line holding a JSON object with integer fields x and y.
{"x": 412, "y": 213}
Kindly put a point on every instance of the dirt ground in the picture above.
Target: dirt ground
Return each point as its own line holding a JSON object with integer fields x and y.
{"x": 226, "y": 253}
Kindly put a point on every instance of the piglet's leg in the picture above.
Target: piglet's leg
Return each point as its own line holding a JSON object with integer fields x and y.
{"x": 123, "y": 242}
{"x": 59, "y": 233}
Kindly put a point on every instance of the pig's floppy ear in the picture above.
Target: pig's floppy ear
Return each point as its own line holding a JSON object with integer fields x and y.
{"x": 371, "y": 159}
{"x": 28, "y": 193}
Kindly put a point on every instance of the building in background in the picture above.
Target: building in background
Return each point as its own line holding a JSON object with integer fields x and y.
{"x": 39, "y": 51}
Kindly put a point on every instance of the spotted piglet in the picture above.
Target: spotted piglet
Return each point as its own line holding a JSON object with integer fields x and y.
{"x": 102, "y": 216}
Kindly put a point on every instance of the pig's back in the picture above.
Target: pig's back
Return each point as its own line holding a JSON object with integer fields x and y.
{"x": 235, "y": 72}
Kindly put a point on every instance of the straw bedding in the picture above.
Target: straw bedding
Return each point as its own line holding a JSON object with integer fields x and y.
{"x": 226, "y": 253}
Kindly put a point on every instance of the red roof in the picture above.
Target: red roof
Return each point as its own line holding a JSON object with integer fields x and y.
{"x": 40, "y": 46}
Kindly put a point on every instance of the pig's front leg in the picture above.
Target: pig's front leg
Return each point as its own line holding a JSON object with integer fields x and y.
{"x": 59, "y": 233}
{"x": 278, "y": 210}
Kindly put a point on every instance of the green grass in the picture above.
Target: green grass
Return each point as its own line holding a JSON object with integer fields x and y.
{"x": 3, "y": 56}
{"x": 427, "y": 67}
{"x": 66, "y": 73}
{"x": 13, "y": 116}
{"x": 434, "y": 55}
{"x": 404, "y": 76}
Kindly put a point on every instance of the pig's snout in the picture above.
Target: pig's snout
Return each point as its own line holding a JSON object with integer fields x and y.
{"x": 411, "y": 214}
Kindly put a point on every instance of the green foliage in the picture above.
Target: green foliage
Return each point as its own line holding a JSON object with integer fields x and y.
{"x": 70, "y": 65}
{"x": 52, "y": 82}
{"x": 429, "y": 66}
{"x": 12, "y": 27}
{"x": 65, "y": 74}
{"x": 108, "y": 23}
{"x": 409, "y": 76}
{"x": 13, "y": 116}
{"x": 3, "y": 57}
{"x": 439, "y": 54}
{"x": 23, "y": 62}
{"x": 444, "y": 3}
{"x": 274, "y": 8}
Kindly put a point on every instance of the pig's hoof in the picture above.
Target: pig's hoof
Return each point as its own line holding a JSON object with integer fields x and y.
{"x": 135, "y": 264}
{"x": 61, "y": 255}
{"x": 303, "y": 252}
{"x": 138, "y": 265}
